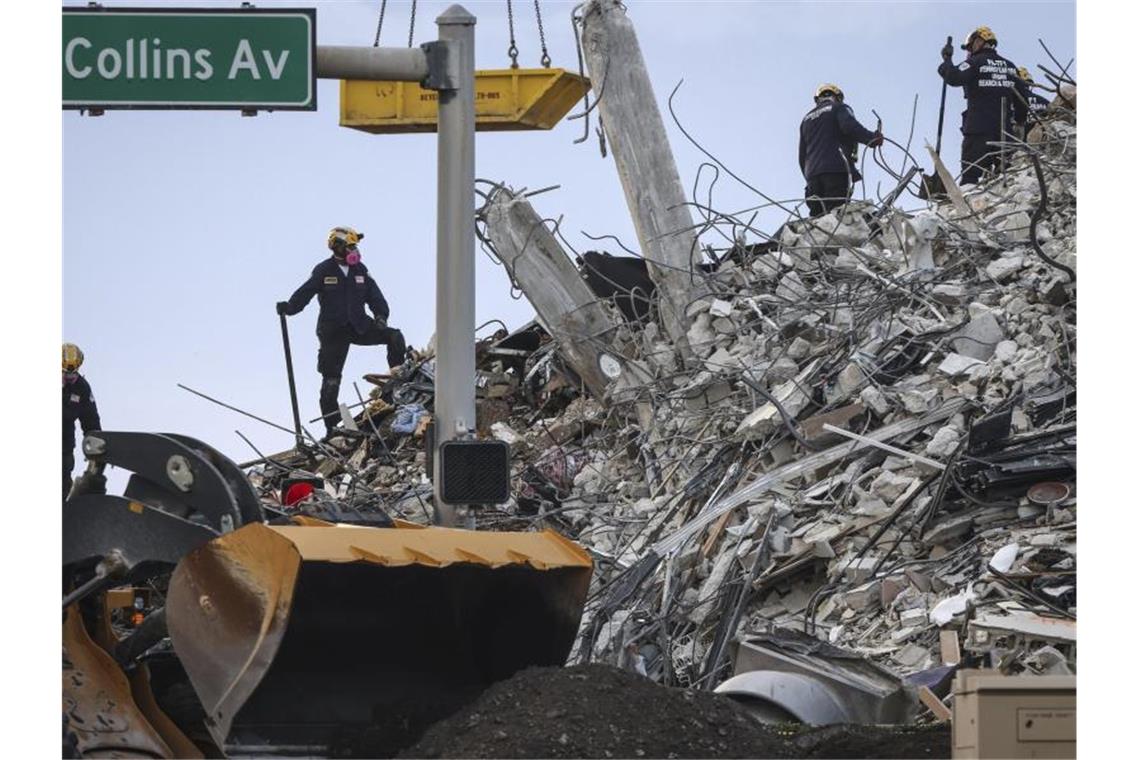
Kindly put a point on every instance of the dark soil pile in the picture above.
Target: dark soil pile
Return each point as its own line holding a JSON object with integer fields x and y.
{"x": 596, "y": 711}
{"x": 871, "y": 741}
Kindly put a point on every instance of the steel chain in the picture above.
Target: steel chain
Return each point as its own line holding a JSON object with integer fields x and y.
{"x": 380, "y": 23}
{"x": 513, "y": 49}
{"x": 541, "y": 36}
{"x": 412, "y": 25}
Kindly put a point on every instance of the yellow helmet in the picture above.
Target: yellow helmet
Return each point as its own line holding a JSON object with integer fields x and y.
{"x": 344, "y": 236}
{"x": 825, "y": 88}
{"x": 1024, "y": 74}
{"x": 984, "y": 33}
{"x": 72, "y": 357}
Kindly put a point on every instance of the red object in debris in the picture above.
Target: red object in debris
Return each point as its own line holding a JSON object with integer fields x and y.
{"x": 296, "y": 493}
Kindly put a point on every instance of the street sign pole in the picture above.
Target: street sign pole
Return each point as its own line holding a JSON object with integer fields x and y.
{"x": 455, "y": 246}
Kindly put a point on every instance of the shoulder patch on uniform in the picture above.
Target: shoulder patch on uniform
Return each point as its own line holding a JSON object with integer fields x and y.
{"x": 360, "y": 279}
{"x": 964, "y": 65}
{"x": 331, "y": 280}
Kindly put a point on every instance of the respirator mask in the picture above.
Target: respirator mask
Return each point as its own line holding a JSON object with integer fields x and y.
{"x": 349, "y": 254}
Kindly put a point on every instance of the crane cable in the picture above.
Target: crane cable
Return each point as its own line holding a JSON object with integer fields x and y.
{"x": 513, "y": 48}
{"x": 380, "y": 23}
{"x": 412, "y": 24}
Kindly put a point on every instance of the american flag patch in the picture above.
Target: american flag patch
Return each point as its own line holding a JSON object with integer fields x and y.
{"x": 360, "y": 279}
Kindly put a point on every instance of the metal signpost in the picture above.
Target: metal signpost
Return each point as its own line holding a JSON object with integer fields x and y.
{"x": 264, "y": 59}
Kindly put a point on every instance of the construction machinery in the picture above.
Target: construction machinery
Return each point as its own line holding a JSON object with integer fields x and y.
{"x": 200, "y": 622}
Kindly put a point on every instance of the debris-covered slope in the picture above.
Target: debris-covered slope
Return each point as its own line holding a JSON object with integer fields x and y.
{"x": 870, "y": 436}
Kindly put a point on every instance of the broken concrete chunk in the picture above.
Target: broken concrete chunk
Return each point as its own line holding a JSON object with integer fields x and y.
{"x": 1005, "y": 351}
{"x": 721, "y": 361}
{"x": 799, "y": 348}
{"x": 950, "y": 293}
{"x": 792, "y": 396}
{"x": 847, "y": 383}
{"x": 792, "y": 288}
{"x": 701, "y": 335}
{"x": 875, "y": 399}
{"x": 916, "y": 401}
{"x": 720, "y": 308}
{"x": 944, "y": 442}
{"x": 781, "y": 370}
{"x": 1016, "y": 226}
{"x": 957, "y": 364}
{"x": 862, "y": 597}
{"x": 1005, "y": 267}
{"x": 724, "y": 326}
{"x": 979, "y": 337}
{"x": 846, "y": 260}
{"x": 889, "y": 486}
{"x": 951, "y": 527}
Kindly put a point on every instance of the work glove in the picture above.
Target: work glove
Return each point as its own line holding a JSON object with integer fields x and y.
{"x": 876, "y": 140}
{"x": 381, "y": 322}
{"x": 283, "y": 307}
{"x": 947, "y": 52}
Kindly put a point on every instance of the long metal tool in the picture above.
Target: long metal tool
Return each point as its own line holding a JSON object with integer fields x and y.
{"x": 292, "y": 382}
{"x": 942, "y": 107}
{"x": 932, "y": 183}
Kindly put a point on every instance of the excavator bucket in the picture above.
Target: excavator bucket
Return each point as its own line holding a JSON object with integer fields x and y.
{"x": 305, "y": 638}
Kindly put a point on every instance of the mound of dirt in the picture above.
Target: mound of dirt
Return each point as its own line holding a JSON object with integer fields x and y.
{"x": 596, "y": 711}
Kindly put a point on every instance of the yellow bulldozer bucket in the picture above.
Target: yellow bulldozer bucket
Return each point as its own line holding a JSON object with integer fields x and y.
{"x": 303, "y": 636}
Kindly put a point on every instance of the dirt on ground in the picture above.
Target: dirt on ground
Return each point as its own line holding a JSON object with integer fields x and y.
{"x": 597, "y": 711}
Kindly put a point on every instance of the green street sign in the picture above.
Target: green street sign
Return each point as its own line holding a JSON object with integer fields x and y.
{"x": 190, "y": 58}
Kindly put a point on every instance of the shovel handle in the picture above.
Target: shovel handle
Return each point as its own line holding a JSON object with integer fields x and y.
{"x": 942, "y": 107}
{"x": 292, "y": 383}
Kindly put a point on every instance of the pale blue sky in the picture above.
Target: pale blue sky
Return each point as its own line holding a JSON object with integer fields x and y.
{"x": 182, "y": 229}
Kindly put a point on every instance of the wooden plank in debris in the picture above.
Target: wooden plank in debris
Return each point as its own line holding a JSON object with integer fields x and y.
{"x": 644, "y": 159}
{"x": 565, "y": 305}
{"x": 812, "y": 428}
{"x": 714, "y": 534}
{"x": 934, "y": 704}
{"x": 949, "y": 648}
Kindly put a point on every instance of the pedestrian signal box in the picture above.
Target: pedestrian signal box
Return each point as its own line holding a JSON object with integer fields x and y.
{"x": 474, "y": 472}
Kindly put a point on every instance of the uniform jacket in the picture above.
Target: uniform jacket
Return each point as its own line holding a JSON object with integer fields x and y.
{"x": 829, "y": 137}
{"x": 986, "y": 78}
{"x": 341, "y": 298}
{"x": 78, "y": 404}
{"x": 1037, "y": 104}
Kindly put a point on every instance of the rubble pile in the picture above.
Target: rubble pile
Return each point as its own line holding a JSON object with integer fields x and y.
{"x": 869, "y": 434}
{"x": 597, "y": 711}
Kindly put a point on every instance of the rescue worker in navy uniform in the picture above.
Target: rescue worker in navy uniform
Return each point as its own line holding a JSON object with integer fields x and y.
{"x": 1037, "y": 104}
{"x": 989, "y": 80}
{"x": 829, "y": 138}
{"x": 78, "y": 404}
{"x": 343, "y": 287}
